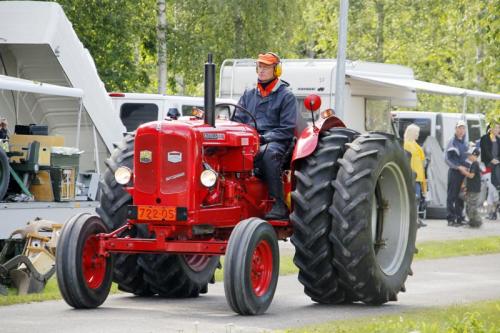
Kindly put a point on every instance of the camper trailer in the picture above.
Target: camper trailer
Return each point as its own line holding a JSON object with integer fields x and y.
{"x": 368, "y": 102}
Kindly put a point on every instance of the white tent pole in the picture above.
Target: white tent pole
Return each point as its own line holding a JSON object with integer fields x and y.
{"x": 341, "y": 51}
{"x": 96, "y": 152}
{"x": 464, "y": 107}
{"x": 79, "y": 121}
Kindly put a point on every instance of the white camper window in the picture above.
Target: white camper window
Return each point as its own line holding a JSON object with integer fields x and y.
{"x": 378, "y": 115}
{"x": 135, "y": 114}
{"x": 423, "y": 123}
{"x": 474, "y": 128}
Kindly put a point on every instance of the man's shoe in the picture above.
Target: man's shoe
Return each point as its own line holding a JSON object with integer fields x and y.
{"x": 421, "y": 224}
{"x": 451, "y": 223}
{"x": 278, "y": 212}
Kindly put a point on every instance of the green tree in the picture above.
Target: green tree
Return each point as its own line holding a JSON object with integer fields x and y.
{"x": 119, "y": 36}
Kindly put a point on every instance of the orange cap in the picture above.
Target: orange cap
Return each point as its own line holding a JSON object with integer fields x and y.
{"x": 268, "y": 58}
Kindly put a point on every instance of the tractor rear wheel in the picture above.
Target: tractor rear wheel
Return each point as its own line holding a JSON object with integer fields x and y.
{"x": 113, "y": 211}
{"x": 84, "y": 277}
{"x": 251, "y": 267}
{"x": 4, "y": 173}
{"x": 375, "y": 219}
{"x": 312, "y": 198}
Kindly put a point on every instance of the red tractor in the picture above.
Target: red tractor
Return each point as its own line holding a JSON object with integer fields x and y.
{"x": 193, "y": 195}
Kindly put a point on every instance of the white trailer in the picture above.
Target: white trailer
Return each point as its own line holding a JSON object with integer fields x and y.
{"x": 368, "y": 103}
{"x": 372, "y": 89}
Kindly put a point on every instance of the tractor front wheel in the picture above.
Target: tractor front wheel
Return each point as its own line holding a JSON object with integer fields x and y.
{"x": 84, "y": 277}
{"x": 251, "y": 267}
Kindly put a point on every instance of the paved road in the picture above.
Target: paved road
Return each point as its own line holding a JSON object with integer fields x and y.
{"x": 436, "y": 282}
{"x": 437, "y": 230}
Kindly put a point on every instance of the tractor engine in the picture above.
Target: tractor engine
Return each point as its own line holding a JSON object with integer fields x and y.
{"x": 187, "y": 171}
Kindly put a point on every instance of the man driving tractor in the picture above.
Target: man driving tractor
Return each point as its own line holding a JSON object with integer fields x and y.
{"x": 274, "y": 107}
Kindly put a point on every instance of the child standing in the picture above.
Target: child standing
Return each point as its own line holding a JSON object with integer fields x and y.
{"x": 473, "y": 188}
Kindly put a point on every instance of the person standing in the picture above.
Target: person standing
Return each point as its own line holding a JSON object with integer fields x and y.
{"x": 455, "y": 156}
{"x": 4, "y": 131}
{"x": 417, "y": 164}
{"x": 490, "y": 156}
{"x": 473, "y": 188}
{"x": 274, "y": 107}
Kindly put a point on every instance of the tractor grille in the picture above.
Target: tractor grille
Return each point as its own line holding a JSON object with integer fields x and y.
{"x": 147, "y": 163}
{"x": 174, "y": 161}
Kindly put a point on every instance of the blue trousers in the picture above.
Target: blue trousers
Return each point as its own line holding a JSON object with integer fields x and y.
{"x": 454, "y": 205}
{"x": 269, "y": 161}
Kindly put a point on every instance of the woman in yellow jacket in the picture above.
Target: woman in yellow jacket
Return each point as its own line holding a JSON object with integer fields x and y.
{"x": 417, "y": 162}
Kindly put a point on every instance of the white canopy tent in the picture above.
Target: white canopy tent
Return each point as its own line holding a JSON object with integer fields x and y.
{"x": 424, "y": 86}
{"x": 17, "y": 84}
{"x": 428, "y": 87}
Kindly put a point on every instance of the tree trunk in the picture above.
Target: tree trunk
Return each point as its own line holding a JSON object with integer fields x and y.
{"x": 238, "y": 35}
{"x": 379, "y": 38}
{"x": 479, "y": 69}
{"x": 161, "y": 33}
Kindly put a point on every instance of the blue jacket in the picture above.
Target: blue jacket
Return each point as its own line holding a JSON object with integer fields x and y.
{"x": 456, "y": 152}
{"x": 276, "y": 114}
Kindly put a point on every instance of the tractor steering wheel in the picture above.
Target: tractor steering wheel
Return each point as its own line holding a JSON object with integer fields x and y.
{"x": 242, "y": 109}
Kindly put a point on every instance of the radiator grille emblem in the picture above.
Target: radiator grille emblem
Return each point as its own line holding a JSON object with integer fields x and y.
{"x": 145, "y": 156}
{"x": 174, "y": 156}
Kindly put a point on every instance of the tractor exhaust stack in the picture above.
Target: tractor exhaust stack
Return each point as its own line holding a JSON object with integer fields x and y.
{"x": 210, "y": 91}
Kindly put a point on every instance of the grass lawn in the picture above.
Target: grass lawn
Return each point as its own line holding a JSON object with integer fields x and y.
{"x": 51, "y": 292}
{"x": 480, "y": 317}
{"x": 427, "y": 250}
{"x": 457, "y": 248}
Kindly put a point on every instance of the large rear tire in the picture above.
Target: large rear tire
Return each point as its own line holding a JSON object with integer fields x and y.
{"x": 84, "y": 277}
{"x": 375, "y": 218}
{"x": 113, "y": 211}
{"x": 251, "y": 267}
{"x": 4, "y": 173}
{"x": 311, "y": 220}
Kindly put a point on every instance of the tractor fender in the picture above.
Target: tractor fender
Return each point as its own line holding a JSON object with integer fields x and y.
{"x": 308, "y": 139}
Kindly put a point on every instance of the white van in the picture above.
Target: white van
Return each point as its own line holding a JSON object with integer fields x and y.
{"x": 440, "y": 125}
{"x": 135, "y": 109}
{"x": 436, "y": 129}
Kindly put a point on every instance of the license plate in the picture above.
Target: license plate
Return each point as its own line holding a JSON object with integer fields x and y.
{"x": 156, "y": 213}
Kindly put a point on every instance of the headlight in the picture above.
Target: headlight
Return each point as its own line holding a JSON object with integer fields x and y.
{"x": 123, "y": 175}
{"x": 208, "y": 178}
